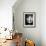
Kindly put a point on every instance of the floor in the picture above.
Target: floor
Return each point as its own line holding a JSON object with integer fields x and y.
{"x": 9, "y": 43}
{"x": 13, "y": 42}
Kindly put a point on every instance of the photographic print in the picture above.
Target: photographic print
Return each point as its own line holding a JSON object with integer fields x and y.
{"x": 29, "y": 19}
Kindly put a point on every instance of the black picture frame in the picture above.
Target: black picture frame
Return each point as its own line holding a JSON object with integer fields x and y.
{"x": 29, "y": 19}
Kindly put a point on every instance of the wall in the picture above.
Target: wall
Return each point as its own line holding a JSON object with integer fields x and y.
{"x": 28, "y": 6}
{"x": 43, "y": 22}
{"x": 6, "y": 13}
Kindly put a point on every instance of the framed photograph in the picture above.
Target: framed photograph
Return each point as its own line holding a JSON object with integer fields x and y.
{"x": 29, "y": 19}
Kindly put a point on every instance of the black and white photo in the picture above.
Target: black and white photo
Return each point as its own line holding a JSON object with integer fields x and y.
{"x": 29, "y": 19}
